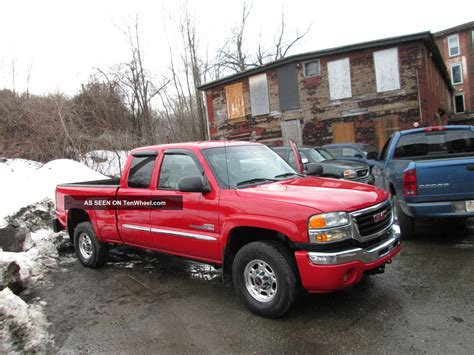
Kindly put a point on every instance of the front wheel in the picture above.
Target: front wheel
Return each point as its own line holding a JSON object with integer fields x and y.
{"x": 407, "y": 223}
{"x": 264, "y": 277}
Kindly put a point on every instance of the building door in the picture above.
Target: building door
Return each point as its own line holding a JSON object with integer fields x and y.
{"x": 343, "y": 132}
{"x": 291, "y": 130}
{"x": 384, "y": 128}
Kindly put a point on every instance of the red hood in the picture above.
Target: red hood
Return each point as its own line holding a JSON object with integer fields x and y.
{"x": 326, "y": 195}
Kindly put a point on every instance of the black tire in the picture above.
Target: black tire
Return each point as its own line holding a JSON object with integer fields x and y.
{"x": 407, "y": 223}
{"x": 283, "y": 269}
{"x": 89, "y": 250}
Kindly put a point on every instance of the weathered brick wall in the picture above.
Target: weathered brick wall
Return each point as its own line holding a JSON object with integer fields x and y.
{"x": 318, "y": 113}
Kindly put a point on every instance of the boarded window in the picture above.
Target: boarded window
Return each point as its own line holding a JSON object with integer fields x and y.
{"x": 235, "y": 101}
{"x": 453, "y": 45}
{"x": 343, "y": 132}
{"x": 259, "y": 95}
{"x": 384, "y": 128}
{"x": 387, "y": 73}
{"x": 288, "y": 87}
{"x": 339, "y": 74}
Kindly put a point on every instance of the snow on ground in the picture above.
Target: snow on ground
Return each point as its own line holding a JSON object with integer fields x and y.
{"x": 106, "y": 162}
{"x": 24, "y": 326}
{"x": 24, "y": 182}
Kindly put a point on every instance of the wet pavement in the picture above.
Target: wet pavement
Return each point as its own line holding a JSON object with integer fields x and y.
{"x": 143, "y": 302}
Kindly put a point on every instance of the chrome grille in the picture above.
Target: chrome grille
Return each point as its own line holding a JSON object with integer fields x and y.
{"x": 362, "y": 173}
{"x": 374, "y": 220}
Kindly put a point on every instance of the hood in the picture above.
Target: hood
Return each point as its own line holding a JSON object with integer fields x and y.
{"x": 345, "y": 164}
{"x": 323, "y": 194}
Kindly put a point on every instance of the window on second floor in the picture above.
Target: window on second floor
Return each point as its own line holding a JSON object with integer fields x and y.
{"x": 259, "y": 95}
{"x": 387, "y": 73}
{"x": 235, "y": 101}
{"x": 453, "y": 45}
{"x": 312, "y": 68}
{"x": 459, "y": 103}
{"x": 456, "y": 73}
{"x": 339, "y": 74}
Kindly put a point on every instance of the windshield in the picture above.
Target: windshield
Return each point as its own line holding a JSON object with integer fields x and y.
{"x": 319, "y": 155}
{"x": 246, "y": 165}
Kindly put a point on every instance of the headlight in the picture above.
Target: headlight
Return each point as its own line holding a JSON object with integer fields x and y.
{"x": 350, "y": 174}
{"x": 329, "y": 227}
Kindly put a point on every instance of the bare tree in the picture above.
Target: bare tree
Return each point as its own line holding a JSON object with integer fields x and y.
{"x": 234, "y": 55}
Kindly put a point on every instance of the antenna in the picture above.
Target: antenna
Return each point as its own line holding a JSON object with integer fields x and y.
{"x": 226, "y": 162}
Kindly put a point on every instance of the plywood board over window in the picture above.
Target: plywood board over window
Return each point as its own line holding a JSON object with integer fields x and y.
{"x": 387, "y": 73}
{"x": 288, "y": 87}
{"x": 343, "y": 132}
{"x": 291, "y": 130}
{"x": 384, "y": 128}
{"x": 259, "y": 95}
{"x": 339, "y": 74}
{"x": 235, "y": 101}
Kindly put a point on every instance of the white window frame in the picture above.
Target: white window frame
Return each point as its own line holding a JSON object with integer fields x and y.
{"x": 452, "y": 76}
{"x": 463, "y": 102}
{"x": 311, "y": 61}
{"x": 457, "y": 45}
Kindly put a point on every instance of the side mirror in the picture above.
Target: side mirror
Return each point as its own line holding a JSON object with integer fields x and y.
{"x": 304, "y": 160}
{"x": 373, "y": 155}
{"x": 192, "y": 184}
{"x": 314, "y": 169}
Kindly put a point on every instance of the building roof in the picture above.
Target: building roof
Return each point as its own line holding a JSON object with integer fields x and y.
{"x": 422, "y": 36}
{"x": 459, "y": 28}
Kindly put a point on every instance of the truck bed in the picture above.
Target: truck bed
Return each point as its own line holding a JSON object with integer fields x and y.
{"x": 115, "y": 182}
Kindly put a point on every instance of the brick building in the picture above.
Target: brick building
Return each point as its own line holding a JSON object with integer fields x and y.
{"x": 356, "y": 93}
{"x": 457, "y": 48}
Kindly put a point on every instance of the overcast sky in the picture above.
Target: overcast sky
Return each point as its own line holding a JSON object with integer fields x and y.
{"x": 63, "y": 41}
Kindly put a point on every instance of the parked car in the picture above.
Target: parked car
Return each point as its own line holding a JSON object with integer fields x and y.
{"x": 429, "y": 172}
{"x": 239, "y": 206}
{"x": 332, "y": 167}
{"x": 365, "y": 153}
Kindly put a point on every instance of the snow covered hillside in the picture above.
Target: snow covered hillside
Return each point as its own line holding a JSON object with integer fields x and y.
{"x": 25, "y": 182}
{"x": 106, "y": 162}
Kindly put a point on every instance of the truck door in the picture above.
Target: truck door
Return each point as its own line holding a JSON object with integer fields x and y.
{"x": 134, "y": 224}
{"x": 191, "y": 229}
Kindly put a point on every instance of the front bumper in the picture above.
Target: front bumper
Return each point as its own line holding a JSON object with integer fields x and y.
{"x": 330, "y": 271}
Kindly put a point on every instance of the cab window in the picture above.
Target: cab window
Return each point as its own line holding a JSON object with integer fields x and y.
{"x": 141, "y": 169}
{"x": 174, "y": 168}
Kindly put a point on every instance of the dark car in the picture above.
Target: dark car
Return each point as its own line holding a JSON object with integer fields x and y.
{"x": 338, "y": 169}
{"x": 360, "y": 152}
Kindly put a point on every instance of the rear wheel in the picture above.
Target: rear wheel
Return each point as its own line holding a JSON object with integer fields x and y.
{"x": 264, "y": 277}
{"x": 89, "y": 250}
{"x": 407, "y": 223}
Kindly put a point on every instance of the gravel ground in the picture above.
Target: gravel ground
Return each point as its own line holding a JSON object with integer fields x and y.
{"x": 145, "y": 302}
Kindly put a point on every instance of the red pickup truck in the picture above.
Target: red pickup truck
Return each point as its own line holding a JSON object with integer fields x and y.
{"x": 239, "y": 206}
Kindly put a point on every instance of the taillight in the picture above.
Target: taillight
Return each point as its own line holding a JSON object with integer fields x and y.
{"x": 409, "y": 183}
{"x": 435, "y": 129}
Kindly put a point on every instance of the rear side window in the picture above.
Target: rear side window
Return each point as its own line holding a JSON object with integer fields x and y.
{"x": 333, "y": 150}
{"x": 435, "y": 143}
{"x": 140, "y": 172}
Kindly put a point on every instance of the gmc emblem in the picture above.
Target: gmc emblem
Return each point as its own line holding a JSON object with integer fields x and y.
{"x": 379, "y": 217}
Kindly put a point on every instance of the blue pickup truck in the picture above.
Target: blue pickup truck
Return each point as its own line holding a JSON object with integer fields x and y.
{"x": 429, "y": 172}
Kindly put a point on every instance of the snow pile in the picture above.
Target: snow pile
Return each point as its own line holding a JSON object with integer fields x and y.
{"x": 106, "y": 162}
{"x": 25, "y": 182}
{"x": 23, "y": 327}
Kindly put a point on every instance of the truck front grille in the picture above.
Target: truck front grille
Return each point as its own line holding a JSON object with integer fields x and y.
{"x": 374, "y": 221}
{"x": 362, "y": 173}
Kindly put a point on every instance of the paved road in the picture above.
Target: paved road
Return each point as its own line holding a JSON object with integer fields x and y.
{"x": 142, "y": 303}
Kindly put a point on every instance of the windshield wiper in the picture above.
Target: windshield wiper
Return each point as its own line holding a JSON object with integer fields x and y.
{"x": 253, "y": 181}
{"x": 284, "y": 175}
